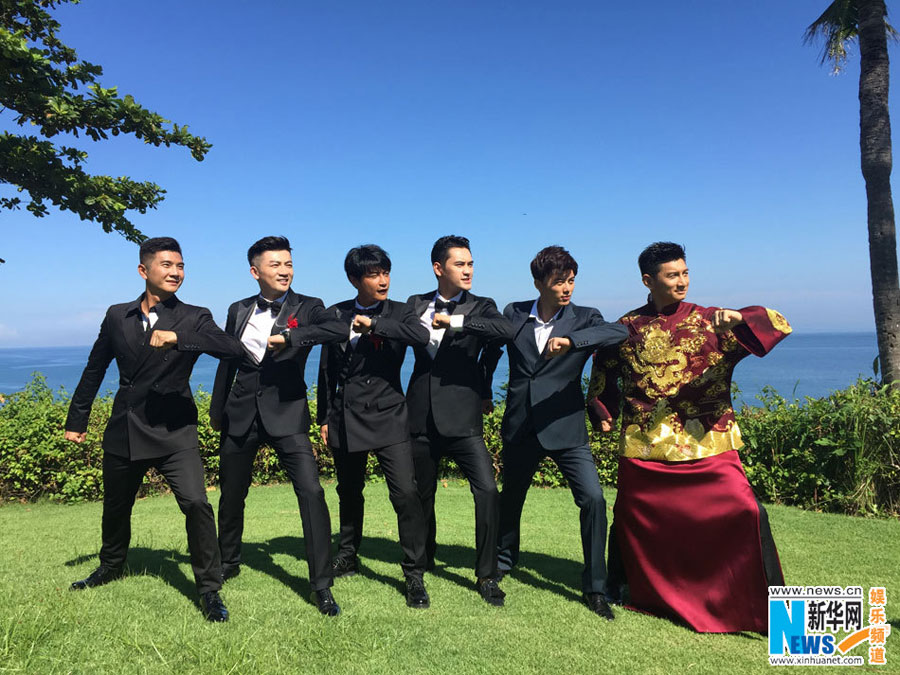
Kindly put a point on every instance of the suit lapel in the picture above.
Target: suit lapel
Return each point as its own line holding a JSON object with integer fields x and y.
{"x": 243, "y": 316}
{"x": 133, "y": 329}
{"x": 346, "y": 315}
{"x": 364, "y": 344}
{"x": 560, "y": 327}
{"x": 289, "y": 309}
{"x": 168, "y": 315}
{"x": 465, "y": 305}
{"x": 423, "y": 301}
{"x": 524, "y": 339}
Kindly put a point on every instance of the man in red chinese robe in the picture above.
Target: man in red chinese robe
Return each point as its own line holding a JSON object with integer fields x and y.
{"x": 693, "y": 539}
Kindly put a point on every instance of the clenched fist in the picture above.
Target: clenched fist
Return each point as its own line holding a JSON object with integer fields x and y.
{"x": 726, "y": 319}
{"x": 163, "y": 339}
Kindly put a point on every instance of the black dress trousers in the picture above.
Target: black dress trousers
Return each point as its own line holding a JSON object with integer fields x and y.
{"x": 397, "y": 465}
{"x": 474, "y": 460}
{"x": 520, "y": 461}
{"x": 184, "y": 473}
{"x": 297, "y": 459}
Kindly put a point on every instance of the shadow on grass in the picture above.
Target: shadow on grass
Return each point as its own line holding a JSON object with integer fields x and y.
{"x": 261, "y": 557}
{"x": 541, "y": 571}
{"x": 80, "y": 560}
{"x": 157, "y": 563}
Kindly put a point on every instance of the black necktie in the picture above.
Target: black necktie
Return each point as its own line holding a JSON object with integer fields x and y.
{"x": 444, "y": 307}
{"x": 264, "y": 304}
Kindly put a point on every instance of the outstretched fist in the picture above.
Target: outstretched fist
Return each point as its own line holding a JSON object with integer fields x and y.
{"x": 557, "y": 346}
{"x": 725, "y": 319}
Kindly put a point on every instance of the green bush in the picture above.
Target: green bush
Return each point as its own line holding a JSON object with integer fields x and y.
{"x": 840, "y": 453}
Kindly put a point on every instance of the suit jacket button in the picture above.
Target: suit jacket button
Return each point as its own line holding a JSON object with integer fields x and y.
{"x": 259, "y": 393}
{"x": 366, "y": 406}
{"x": 347, "y": 406}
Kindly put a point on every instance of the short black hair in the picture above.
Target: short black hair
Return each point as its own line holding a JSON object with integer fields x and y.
{"x": 658, "y": 253}
{"x": 364, "y": 259}
{"x": 154, "y": 245}
{"x": 441, "y": 249}
{"x": 267, "y": 244}
{"x": 552, "y": 260}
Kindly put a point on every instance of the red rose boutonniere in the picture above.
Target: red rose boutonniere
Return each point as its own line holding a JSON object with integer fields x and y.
{"x": 292, "y": 322}
{"x": 377, "y": 341}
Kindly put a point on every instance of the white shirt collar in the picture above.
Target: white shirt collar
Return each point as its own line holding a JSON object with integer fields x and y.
{"x": 534, "y": 314}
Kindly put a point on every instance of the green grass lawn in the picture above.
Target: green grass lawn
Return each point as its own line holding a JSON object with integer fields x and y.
{"x": 150, "y": 622}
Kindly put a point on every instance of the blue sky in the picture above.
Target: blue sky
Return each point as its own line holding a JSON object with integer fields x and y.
{"x": 598, "y": 126}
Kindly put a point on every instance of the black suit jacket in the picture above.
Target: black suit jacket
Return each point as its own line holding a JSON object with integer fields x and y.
{"x": 275, "y": 387}
{"x": 454, "y": 383}
{"x": 359, "y": 393}
{"x": 153, "y": 413}
{"x": 545, "y": 395}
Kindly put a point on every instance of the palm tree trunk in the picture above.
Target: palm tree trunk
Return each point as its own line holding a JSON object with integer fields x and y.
{"x": 875, "y": 154}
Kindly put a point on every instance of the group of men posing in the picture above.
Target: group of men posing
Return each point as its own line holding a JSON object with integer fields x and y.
{"x": 689, "y": 540}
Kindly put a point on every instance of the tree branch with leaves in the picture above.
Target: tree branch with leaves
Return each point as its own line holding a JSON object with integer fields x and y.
{"x": 46, "y": 87}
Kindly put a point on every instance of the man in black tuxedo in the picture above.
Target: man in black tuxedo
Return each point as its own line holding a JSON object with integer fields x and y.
{"x": 361, "y": 408}
{"x": 553, "y": 339}
{"x": 448, "y": 392}
{"x": 261, "y": 398}
{"x": 155, "y": 341}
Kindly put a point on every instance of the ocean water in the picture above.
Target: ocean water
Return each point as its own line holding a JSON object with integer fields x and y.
{"x": 802, "y": 365}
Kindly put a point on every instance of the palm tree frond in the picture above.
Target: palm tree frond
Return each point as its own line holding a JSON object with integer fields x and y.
{"x": 837, "y": 26}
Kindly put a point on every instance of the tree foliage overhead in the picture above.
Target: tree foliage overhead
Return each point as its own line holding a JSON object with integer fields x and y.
{"x": 838, "y": 26}
{"x": 50, "y": 91}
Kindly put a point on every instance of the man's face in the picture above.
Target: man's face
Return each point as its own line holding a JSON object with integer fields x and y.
{"x": 670, "y": 283}
{"x": 372, "y": 286}
{"x": 556, "y": 290}
{"x": 164, "y": 272}
{"x": 274, "y": 271}
{"x": 457, "y": 270}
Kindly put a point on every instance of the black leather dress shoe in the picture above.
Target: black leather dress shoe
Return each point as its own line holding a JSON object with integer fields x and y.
{"x": 230, "y": 572}
{"x": 344, "y": 567}
{"x": 213, "y": 607}
{"x": 102, "y": 575}
{"x": 416, "y": 595}
{"x": 598, "y": 605}
{"x": 326, "y": 603}
{"x": 491, "y": 592}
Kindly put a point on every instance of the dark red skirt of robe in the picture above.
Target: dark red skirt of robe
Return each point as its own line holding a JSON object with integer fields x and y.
{"x": 689, "y": 539}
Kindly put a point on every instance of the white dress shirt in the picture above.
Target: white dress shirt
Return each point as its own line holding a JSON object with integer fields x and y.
{"x": 149, "y": 321}
{"x": 437, "y": 334}
{"x": 542, "y": 330}
{"x": 258, "y": 330}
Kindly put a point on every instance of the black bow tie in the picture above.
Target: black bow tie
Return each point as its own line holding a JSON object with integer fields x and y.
{"x": 370, "y": 311}
{"x": 264, "y": 304}
{"x": 444, "y": 307}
